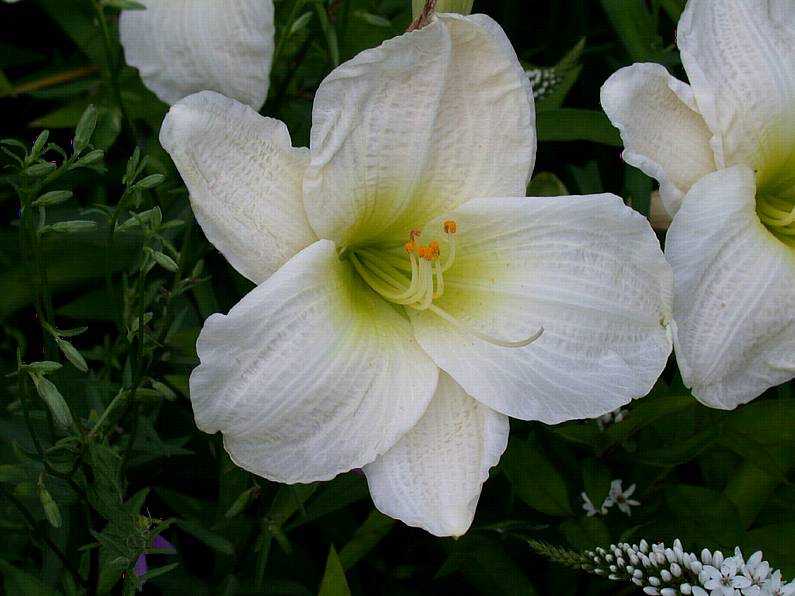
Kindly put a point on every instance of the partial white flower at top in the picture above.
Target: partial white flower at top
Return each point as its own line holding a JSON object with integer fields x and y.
{"x": 723, "y": 150}
{"x": 184, "y": 46}
{"x": 774, "y": 587}
{"x": 409, "y": 297}
{"x": 619, "y": 496}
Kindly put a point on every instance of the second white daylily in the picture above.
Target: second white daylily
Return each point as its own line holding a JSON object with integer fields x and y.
{"x": 723, "y": 150}
{"x": 184, "y": 46}
{"x": 393, "y": 322}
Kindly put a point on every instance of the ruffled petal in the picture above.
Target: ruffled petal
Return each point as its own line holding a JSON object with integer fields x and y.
{"x": 432, "y": 477}
{"x": 310, "y": 374}
{"x": 416, "y": 126}
{"x": 734, "y": 293}
{"x": 184, "y": 46}
{"x": 738, "y": 56}
{"x": 588, "y": 269}
{"x": 244, "y": 179}
{"x": 663, "y": 133}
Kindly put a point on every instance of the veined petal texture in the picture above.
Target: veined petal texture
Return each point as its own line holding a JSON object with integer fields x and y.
{"x": 663, "y": 133}
{"x": 587, "y": 269}
{"x": 734, "y": 286}
{"x": 310, "y": 374}
{"x": 417, "y": 126}
{"x": 431, "y": 478}
{"x": 244, "y": 178}
{"x": 184, "y": 46}
{"x": 738, "y": 57}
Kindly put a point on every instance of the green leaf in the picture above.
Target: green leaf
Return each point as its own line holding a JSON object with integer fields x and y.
{"x": 16, "y": 581}
{"x": 646, "y": 412}
{"x": 288, "y": 500}
{"x": 570, "y": 124}
{"x": 211, "y": 539}
{"x": 711, "y": 519}
{"x": 367, "y": 536}
{"x": 333, "y": 496}
{"x": 679, "y": 452}
{"x": 535, "y": 479}
{"x": 55, "y": 402}
{"x": 85, "y": 128}
{"x": 334, "y": 582}
{"x": 596, "y": 480}
{"x": 54, "y": 197}
{"x": 635, "y": 25}
{"x": 765, "y": 421}
{"x": 72, "y": 354}
{"x": 777, "y": 542}
{"x": 585, "y": 532}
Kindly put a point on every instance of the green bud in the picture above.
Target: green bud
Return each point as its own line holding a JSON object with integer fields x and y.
{"x": 40, "y": 169}
{"x": 165, "y": 261}
{"x": 150, "y": 181}
{"x": 197, "y": 269}
{"x": 164, "y": 390}
{"x": 44, "y": 367}
{"x": 90, "y": 158}
{"x": 459, "y": 6}
{"x": 41, "y": 141}
{"x": 299, "y": 23}
{"x": 85, "y": 129}
{"x": 71, "y": 227}
{"x": 54, "y": 197}
{"x": 373, "y": 19}
{"x": 51, "y": 510}
{"x": 240, "y": 503}
{"x": 134, "y": 221}
{"x": 72, "y": 354}
{"x": 54, "y": 400}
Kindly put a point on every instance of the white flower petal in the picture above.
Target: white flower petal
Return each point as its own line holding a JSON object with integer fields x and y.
{"x": 416, "y": 126}
{"x": 587, "y": 269}
{"x": 733, "y": 286}
{"x": 663, "y": 133}
{"x": 184, "y": 46}
{"x": 432, "y": 477}
{"x": 310, "y": 374}
{"x": 738, "y": 56}
{"x": 244, "y": 179}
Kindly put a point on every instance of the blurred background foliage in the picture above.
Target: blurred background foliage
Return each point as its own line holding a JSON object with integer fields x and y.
{"x": 113, "y": 279}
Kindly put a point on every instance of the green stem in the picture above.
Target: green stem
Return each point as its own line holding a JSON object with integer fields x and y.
{"x": 113, "y": 71}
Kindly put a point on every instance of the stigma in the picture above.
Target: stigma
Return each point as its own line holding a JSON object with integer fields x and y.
{"x": 412, "y": 276}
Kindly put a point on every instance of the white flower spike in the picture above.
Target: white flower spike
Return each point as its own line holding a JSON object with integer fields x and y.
{"x": 723, "y": 150}
{"x": 184, "y": 46}
{"x": 400, "y": 319}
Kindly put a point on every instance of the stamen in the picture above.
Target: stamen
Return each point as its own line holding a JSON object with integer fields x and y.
{"x": 504, "y": 343}
{"x": 416, "y": 283}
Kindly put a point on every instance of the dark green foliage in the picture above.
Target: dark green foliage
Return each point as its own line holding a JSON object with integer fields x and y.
{"x": 105, "y": 281}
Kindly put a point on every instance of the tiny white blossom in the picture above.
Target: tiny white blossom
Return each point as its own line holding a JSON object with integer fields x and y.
{"x": 589, "y": 507}
{"x": 725, "y": 580}
{"x": 620, "y": 497}
{"x": 775, "y": 587}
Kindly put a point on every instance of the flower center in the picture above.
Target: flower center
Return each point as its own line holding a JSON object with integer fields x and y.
{"x": 412, "y": 276}
{"x": 775, "y": 195}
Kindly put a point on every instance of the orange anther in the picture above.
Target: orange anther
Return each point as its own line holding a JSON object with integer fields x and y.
{"x": 433, "y": 245}
{"x": 425, "y": 252}
{"x": 415, "y": 233}
{"x": 449, "y": 227}
{"x": 409, "y": 246}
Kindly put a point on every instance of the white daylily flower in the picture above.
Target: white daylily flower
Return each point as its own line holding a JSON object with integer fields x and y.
{"x": 184, "y": 46}
{"x": 723, "y": 150}
{"x": 378, "y": 266}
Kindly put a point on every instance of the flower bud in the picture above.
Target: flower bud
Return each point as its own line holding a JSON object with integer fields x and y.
{"x": 72, "y": 354}
{"x": 85, "y": 129}
{"x": 51, "y": 510}
{"x": 74, "y": 226}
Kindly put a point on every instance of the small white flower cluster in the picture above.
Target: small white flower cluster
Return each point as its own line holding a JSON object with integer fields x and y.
{"x": 662, "y": 571}
{"x": 617, "y": 496}
{"x": 613, "y": 417}
{"x": 543, "y": 81}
